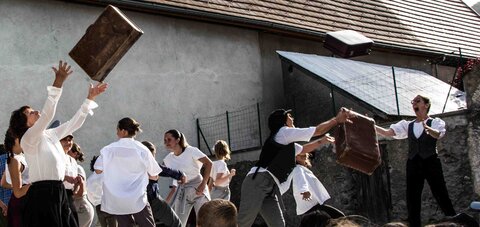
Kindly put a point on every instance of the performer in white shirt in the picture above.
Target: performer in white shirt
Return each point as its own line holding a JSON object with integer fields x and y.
{"x": 46, "y": 200}
{"x": 308, "y": 192}
{"x": 220, "y": 175}
{"x": 126, "y": 166}
{"x": 183, "y": 157}
{"x": 260, "y": 188}
{"x": 423, "y": 162}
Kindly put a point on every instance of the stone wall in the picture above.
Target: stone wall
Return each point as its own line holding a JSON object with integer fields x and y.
{"x": 471, "y": 83}
{"x": 350, "y": 190}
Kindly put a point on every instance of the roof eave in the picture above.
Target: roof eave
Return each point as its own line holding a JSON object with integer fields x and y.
{"x": 157, "y": 8}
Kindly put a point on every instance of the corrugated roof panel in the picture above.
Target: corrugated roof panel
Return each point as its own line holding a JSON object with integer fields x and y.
{"x": 373, "y": 83}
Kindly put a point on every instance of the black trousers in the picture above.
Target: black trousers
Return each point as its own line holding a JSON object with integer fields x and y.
{"x": 46, "y": 204}
{"x": 419, "y": 170}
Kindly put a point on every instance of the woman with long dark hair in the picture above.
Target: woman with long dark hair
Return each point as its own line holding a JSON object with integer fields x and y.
{"x": 46, "y": 199}
{"x": 16, "y": 178}
{"x": 183, "y": 157}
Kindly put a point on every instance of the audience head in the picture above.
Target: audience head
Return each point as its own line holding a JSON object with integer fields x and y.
{"x": 217, "y": 213}
{"x": 174, "y": 139}
{"x": 128, "y": 127}
{"x": 316, "y": 218}
{"x": 222, "y": 151}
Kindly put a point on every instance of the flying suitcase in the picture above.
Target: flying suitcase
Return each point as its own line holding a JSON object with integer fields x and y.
{"x": 105, "y": 42}
{"x": 356, "y": 144}
{"x": 347, "y": 43}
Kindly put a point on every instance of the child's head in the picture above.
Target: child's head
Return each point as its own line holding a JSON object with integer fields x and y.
{"x": 150, "y": 147}
{"x": 222, "y": 151}
{"x": 304, "y": 160}
{"x": 217, "y": 213}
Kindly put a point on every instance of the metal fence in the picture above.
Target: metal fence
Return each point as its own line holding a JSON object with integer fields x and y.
{"x": 240, "y": 128}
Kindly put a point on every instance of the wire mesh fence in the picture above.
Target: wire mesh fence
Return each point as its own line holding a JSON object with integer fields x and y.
{"x": 241, "y": 129}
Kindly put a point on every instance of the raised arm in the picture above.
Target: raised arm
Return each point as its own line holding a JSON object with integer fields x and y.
{"x": 309, "y": 147}
{"x": 384, "y": 132}
{"x": 79, "y": 118}
{"x": 342, "y": 117}
{"x": 50, "y": 106}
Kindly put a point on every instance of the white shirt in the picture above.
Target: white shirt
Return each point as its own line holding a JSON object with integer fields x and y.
{"x": 126, "y": 165}
{"x": 71, "y": 169}
{"x": 95, "y": 188}
{"x": 220, "y": 166}
{"x": 24, "y": 175}
{"x": 187, "y": 162}
{"x": 401, "y": 128}
{"x": 42, "y": 148}
{"x": 304, "y": 180}
{"x": 287, "y": 135}
{"x": 81, "y": 172}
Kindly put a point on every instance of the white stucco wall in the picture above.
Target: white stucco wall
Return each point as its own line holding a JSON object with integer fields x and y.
{"x": 178, "y": 70}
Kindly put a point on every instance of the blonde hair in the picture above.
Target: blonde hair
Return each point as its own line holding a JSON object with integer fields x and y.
{"x": 222, "y": 150}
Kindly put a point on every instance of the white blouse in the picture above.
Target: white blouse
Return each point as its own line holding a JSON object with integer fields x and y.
{"x": 126, "y": 165}
{"x": 401, "y": 128}
{"x": 71, "y": 169}
{"x": 43, "y": 151}
{"x": 95, "y": 188}
{"x": 304, "y": 180}
{"x": 24, "y": 175}
{"x": 220, "y": 166}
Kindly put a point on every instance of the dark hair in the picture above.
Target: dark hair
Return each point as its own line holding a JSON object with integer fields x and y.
{"x": 276, "y": 120}
{"x": 92, "y": 163}
{"x": 178, "y": 135}
{"x": 129, "y": 124}
{"x": 217, "y": 212}
{"x": 149, "y": 145}
{"x": 426, "y": 100}
{"x": 18, "y": 122}
{"x": 77, "y": 149}
{"x": 9, "y": 142}
{"x": 222, "y": 150}
{"x": 318, "y": 218}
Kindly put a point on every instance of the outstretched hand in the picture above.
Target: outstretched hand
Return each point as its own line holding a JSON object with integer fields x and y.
{"x": 61, "y": 74}
{"x": 343, "y": 115}
{"x": 96, "y": 90}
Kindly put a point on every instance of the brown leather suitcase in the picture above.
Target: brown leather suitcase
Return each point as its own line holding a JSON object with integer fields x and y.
{"x": 356, "y": 144}
{"x": 105, "y": 42}
{"x": 347, "y": 43}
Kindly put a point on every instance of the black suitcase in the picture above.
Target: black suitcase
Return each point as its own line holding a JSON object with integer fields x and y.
{"x": 347, "y": 43}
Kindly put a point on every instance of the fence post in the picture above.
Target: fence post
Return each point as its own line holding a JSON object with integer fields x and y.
{"x": 259, "y": 124}
{"x": 395, "y": 86}
{"x": 228, "y": 130}
{"x": 333, "y": 101}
